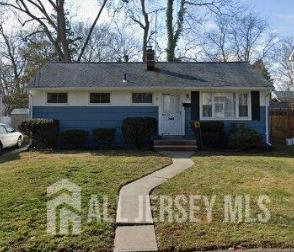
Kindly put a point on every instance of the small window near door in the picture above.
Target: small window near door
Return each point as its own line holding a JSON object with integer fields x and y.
{"x": 142, "y": 97}
{"x": 99, "y": 98}
{"x": 57, "y": 98}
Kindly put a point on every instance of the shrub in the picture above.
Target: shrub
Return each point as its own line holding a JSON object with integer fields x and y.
{"x": 75, "y": 138}
{"x": 104, "y": 136}
{"x": 139, "y": 130}
{"x": 212, "y": 133}
{"x": 43, "y": 132}
{"x": 245, "y": 139}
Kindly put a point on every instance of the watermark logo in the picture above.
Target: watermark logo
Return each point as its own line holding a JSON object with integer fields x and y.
{"x": 64, "y": 208}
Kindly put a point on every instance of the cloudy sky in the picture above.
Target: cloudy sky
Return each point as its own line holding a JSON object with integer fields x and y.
{"x": 279, "y": 13}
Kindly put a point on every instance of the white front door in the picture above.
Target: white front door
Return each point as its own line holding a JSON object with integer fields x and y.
{"x": 171, "y": 115}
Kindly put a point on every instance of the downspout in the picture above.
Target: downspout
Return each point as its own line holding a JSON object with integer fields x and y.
{"x": 30, "y": 106}
{"x": 267, "y": 119}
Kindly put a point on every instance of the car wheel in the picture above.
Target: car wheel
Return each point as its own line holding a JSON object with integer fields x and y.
{"x": 19, "y": 142}
{"x": 1, "y": 147}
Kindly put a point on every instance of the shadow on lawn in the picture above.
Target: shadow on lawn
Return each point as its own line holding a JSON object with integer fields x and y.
{"x": 275, "y": 151}
{"x": 105, "y": 152}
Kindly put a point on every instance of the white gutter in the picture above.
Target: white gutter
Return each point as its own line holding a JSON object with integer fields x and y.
{"x": 30, "y": 106}
{"x": 1, "y": 107}
{"x": 152, "y": 88}
{"x": 267, "y": 101}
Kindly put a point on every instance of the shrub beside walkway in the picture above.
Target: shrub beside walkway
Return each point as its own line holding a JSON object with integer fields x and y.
{"x": 135, "y": 229}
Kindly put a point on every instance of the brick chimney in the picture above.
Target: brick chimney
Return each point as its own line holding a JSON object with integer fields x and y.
{"x": 150, "y": 58}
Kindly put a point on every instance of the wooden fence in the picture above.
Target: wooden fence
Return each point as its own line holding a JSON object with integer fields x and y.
{"x": 282, "y": 125}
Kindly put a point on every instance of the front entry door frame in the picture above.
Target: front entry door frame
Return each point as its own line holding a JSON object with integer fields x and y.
{"x": 182, "y": 114}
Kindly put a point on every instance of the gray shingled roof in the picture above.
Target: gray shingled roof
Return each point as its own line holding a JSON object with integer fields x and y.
{"x": 165, "y": 75}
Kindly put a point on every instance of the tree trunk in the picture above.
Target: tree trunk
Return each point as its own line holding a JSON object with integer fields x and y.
{"x": 173, "y": 34}
{"x": 170, "y": 52}
{"x": 62, "y": 34}
{"x": 146, "y": 29}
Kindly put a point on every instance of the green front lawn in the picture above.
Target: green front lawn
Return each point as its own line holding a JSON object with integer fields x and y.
{"x": 223, "y": 174}
{"x": 23, "y": 185}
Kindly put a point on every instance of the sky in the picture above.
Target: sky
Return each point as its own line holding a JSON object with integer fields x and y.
{"x": 279, "y": 13}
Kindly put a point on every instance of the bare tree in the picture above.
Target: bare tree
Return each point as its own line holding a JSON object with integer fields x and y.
{"x": 188, "y": 13}
{"x": 244, "y": 37}
{"x": 51, "y": 17}
{"x": 125, "y": 46}
{"x": 107, "y": 43}
{"x": 284, "y": 70}
{"x": 141, "y": 16}
{"x": 92, "y": 29}
{"x": 12, "y": 67}
{"x": 217, "y": 43}
{"x": 12, "y": 63}
{"x": 252, "y": 39}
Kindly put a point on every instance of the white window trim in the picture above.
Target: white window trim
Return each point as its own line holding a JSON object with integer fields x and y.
{"x": 99, "y": 104}
{"x": 142, "y": 104}
{"x": 56, "y": 104}
{"x": 237, "y": 118}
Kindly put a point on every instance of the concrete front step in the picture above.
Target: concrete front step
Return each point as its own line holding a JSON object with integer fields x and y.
{"x": 175, "y": 141}
{"x": 175, "y": 147}
{"x": 175, "y": 144}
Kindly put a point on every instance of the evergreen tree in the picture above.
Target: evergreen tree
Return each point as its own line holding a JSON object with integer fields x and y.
{"x": 261, "y": 68}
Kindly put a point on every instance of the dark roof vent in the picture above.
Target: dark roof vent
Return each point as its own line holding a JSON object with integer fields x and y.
{"x": 150, "y": 58}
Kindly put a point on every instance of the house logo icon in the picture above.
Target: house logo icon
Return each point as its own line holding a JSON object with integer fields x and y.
{"x": 63, "y": 208}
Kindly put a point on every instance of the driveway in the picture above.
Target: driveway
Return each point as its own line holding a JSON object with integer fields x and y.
{"x": 11, "y": 153}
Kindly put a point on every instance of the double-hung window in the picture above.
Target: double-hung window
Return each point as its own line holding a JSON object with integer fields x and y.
{"x": 225, "y": 105}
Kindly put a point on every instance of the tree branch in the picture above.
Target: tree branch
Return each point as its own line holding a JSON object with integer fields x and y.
{"x": 91, "y": 30}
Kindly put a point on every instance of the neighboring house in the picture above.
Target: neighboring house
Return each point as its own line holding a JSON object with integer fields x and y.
{"x": 18, "y": 116}
{"x": 91, "y": 95}
{"x": 282, "y": 100}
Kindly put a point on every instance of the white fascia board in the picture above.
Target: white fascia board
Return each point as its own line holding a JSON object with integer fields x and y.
{"x": 151, "y": 88}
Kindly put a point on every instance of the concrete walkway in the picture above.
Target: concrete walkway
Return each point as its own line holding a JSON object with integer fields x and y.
{"x": 135, "y": 229}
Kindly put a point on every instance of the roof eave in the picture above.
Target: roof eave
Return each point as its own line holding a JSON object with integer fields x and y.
{"x": 269, "y": 88}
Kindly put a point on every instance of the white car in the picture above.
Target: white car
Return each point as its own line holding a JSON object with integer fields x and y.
{"x": 9, "y": 137}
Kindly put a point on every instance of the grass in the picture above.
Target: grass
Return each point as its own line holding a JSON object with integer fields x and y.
{"x": 221, "y": 174}
{"x": 23, "y": 185}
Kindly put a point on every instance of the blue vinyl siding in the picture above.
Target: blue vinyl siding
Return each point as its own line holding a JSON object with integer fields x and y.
{"x": 258, "y": 126}
{"x": 88, "y": 118}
